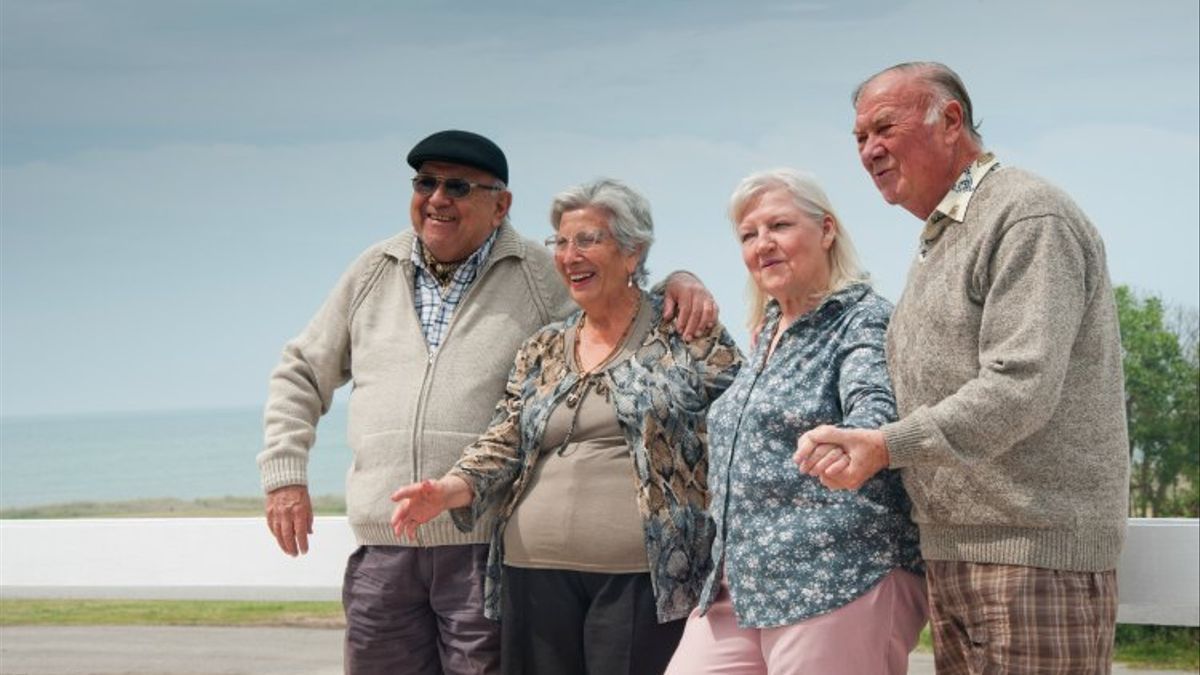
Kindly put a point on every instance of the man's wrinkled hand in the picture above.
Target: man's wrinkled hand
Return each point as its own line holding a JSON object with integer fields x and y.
{"x": 290, "y": 518}
{"x": 691, "y": 305}
{"x": 843, "y": 459}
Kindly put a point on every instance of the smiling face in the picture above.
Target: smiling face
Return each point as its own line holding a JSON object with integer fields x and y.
{"x": 597, "y": 278}
{"x": 785, "y": 250}
{"x": 913, "y": 164}
{"x": 452, "y": 229}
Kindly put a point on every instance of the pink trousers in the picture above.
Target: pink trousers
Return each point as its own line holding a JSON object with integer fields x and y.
{"x": 872, "y": 635}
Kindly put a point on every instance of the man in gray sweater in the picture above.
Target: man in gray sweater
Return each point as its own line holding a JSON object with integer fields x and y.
{"x": 426, "y": 324}
{"x": 1005, "y": 355}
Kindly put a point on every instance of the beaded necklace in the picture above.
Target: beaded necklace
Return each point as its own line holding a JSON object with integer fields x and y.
{"x": 585, "y": 382}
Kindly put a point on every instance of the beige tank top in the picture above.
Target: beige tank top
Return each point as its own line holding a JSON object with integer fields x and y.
{"x": 580, "y": 510}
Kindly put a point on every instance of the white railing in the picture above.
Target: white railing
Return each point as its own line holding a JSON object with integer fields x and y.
{"x": 237, "y": 559}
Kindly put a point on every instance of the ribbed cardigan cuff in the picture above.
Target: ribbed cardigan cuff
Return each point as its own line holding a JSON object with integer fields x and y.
{"x": 906, "y": 440}
{"x": 1091, "y": 548}
{"x": 283, "y": 471}
{"x": 438, "y": 532}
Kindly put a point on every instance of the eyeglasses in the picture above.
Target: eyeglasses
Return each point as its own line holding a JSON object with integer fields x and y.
{"x": 454, "y": 188}
{"x": 583, "y": 240}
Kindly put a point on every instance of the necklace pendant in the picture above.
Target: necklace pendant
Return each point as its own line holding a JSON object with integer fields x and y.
{"x": 577, "y": 392}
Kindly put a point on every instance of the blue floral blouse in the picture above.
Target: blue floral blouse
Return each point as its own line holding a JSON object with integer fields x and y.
{"x": 790, "y": 547}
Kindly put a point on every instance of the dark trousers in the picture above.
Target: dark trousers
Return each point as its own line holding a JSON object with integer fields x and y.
{"x": 558, "y": 622}
{"x": 418, "y": 611}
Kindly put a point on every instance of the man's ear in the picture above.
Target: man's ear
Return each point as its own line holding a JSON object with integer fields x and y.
{"x": 952, "y": 120}
{"x": 503, "y": 204}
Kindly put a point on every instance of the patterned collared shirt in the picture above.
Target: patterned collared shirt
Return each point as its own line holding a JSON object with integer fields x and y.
{"x": 790, "y": 547}
{"x": 436, "y": 304}
{"x": 953, "y": 207}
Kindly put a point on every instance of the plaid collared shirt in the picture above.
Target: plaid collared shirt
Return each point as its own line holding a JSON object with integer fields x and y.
{"x": 435, "y": 304}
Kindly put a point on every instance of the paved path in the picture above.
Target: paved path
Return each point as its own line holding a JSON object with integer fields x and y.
{"x": 175, "y": 650}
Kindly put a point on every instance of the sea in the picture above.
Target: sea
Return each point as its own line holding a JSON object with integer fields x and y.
{"x": 124, "y": 456}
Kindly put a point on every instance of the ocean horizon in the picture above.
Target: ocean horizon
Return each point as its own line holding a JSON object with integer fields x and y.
{"x": 186, "y": 454}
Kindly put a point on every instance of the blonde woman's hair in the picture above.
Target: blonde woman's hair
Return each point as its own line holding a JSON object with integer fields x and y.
{"x": 806, "y": 193}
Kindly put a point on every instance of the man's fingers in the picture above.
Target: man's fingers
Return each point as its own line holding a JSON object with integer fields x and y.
{"x": 813, "y": 438}
{"x": 277, "y": 532}
{"x": 695, "y": 320}
{"x": 710, "y": 316}
{"x": 684, "y": 317}
{"x": 809, "y": 449}
{"x": 287, "y": 536}
{"x": 844, "y": 476}
{"x": 668, "y": 307}
{"x": 302, "y": 532}
{"x": 832, "y": 457}
{"x": 833, "y": 483}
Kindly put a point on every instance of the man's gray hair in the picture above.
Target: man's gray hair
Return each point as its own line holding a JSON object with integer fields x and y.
{"x": 628, "y": 214}
{"x": 944, "y": 86}
{"x": 806, "y": 193}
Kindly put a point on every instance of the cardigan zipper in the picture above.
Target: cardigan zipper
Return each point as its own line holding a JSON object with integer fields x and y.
{"x": 427, "y": 378}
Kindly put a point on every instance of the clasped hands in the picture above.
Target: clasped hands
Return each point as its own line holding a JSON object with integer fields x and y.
{"x": 842, "y": 459}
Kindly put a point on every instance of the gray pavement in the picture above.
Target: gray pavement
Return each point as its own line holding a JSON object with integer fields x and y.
{"x": 179, "y": 650}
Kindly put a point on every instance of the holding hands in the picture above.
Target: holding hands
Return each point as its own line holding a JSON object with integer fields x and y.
{"x": 843, "y": 459}
{"x": 420, "y": 503}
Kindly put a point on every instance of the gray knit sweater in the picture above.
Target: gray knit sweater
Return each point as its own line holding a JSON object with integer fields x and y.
{"x": 411, "y": 412}
{"x": 1005, "y": 355}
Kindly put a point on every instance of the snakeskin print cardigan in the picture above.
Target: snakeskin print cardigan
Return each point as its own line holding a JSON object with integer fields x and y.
{"x": 661, "y": 395}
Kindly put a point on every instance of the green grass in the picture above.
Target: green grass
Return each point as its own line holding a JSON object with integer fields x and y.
{"x": 1159, "y": 646}
{"x": 14, "y": 612}
{"x": 326, "y": 505}
{"x": 925, "y": 640}
{"x": 1165, "y": 647}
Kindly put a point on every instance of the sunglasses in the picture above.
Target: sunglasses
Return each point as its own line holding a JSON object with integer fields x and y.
{"x": 583, "y": 240}
{"x": 454, "y": 188}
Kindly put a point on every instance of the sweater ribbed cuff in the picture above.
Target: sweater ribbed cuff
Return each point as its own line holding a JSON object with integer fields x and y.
{"x": 906, "y": 441}
{"x": 283, "y": 471}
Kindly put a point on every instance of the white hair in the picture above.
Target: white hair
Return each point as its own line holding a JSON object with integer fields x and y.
{"x": 806, "y": 193}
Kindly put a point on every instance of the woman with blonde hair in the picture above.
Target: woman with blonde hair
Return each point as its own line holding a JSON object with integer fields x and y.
{"x": 805, "y": 579}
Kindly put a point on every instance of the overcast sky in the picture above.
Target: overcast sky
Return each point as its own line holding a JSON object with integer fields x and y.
{"x": 182, "y": 182}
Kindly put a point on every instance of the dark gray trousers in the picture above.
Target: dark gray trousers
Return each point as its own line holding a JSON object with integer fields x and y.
{"x": 418, "y": 611}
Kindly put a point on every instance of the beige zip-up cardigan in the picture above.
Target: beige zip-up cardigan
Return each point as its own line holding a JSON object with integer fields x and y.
{"x": 411, "y": 412}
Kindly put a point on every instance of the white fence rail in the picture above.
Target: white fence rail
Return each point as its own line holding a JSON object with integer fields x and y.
{"x": 237, "y": 559}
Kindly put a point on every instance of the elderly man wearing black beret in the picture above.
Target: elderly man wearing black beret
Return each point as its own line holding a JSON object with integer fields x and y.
{"x": 426, "y": 325}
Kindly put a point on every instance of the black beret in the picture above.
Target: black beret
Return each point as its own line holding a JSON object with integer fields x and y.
{"x": 460, "y": 147}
